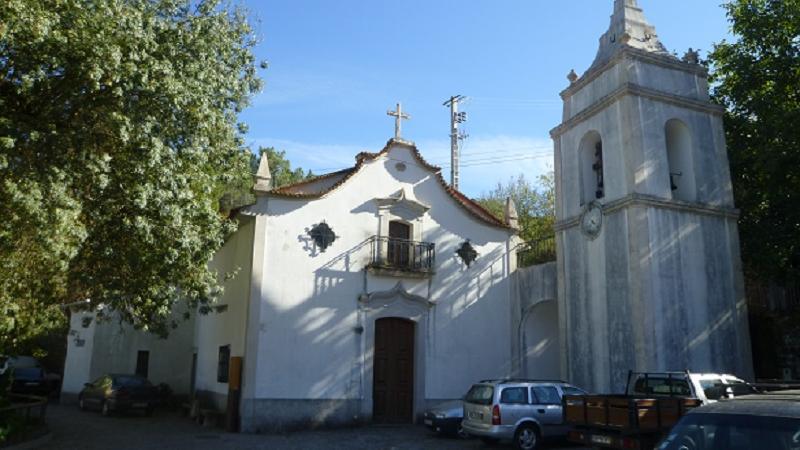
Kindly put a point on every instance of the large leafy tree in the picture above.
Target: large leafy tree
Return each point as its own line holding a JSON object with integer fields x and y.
{"x": 118, "y": 135}
{"x": 757, "y": 78}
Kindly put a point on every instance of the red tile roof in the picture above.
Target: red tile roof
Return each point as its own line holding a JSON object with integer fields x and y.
{"x": 318, "y": 186}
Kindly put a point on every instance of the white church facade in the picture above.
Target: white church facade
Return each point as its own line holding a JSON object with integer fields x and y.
{"x": 370, "y": 293}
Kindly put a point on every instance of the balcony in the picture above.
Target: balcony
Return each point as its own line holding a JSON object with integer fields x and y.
{"x": 401, "y": 257}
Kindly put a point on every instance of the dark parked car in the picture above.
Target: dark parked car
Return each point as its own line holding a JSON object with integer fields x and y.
{"x": 30, "y": 381}
{"x": 118, "y": 393}
{"x": 761, "y": 421}
{"x": 446, "y": 418}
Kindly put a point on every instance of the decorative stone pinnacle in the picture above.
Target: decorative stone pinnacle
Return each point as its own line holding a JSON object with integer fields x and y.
{"x": 572, "y": 76}
{"x": 263, "y": 176}
{"x": 628, "y": 28}
{"x": 512, "y": 217}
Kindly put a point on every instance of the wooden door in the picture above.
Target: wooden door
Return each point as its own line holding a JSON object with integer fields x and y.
{"x": 393, "y": 371}
{"x": 399, "y": 246}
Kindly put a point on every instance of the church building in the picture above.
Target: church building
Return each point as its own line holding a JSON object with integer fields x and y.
{"x": 371, "y": 293}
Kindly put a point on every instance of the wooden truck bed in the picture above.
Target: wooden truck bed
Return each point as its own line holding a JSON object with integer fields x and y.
{"x": 626, "y": 414}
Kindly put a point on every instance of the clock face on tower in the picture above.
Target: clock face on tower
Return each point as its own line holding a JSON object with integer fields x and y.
{"x": 592, "y": 219}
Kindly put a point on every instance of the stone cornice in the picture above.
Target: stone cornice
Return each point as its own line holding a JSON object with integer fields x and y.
{"x": 639, "y": 91}
{"x": 669, "y": 62}
{"x": 650, "y": 201}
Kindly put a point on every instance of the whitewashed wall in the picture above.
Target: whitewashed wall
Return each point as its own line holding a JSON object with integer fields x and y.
{"x": 225, "y": 327}
{"x": 110, "y": 347}
{"x": 303, "y": 327}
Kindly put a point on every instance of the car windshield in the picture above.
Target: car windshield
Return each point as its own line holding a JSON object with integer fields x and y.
{"x": 741, "y": 388}
{"x": 28, "y": 373}
{"x": 480, "y": 394}
{"x": 733, "y": 432}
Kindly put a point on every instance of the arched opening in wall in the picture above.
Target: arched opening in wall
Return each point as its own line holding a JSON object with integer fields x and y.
{"x": 679, "y": 157}
{"x": 591, "y": 168}
{"x": 541, "y": 348}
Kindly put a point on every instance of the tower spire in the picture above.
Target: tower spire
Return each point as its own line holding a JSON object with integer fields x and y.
{"x": 628, "y": 28}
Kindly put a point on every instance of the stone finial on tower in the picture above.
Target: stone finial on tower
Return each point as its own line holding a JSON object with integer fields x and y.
{"x": 572, "y": 76}
{"x": 263, "y": 176}
{"x": 629, "y": 28}
{"x": 511, "y": 216}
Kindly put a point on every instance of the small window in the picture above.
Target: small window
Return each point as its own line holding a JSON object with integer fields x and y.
{"x": 223, "y": 363}
{"x": 571, "y": 390}
{"x": 514, "y": 396}
{"x": 480, "y": 394}
{"x": 546, "y": 395}
{"x": 661, "y": 386}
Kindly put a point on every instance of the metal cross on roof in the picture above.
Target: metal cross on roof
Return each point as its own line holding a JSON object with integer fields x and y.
{"x": 399, "y": 116}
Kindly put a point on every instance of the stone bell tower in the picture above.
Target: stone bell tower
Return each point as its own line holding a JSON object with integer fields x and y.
{"x": 649, "y": 269}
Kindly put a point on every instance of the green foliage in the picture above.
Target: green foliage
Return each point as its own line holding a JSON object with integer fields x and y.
{"x": 240, "y": 192}
{"x": 535, "y": 205}
{"x": 280, "y": 168}
{"x": 118, "y": 135}
{"x": 757, "y": 78}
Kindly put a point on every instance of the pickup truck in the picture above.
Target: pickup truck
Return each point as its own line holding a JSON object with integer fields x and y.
{"x": 651, "y": 405}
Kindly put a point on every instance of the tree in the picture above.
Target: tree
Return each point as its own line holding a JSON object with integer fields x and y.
{"x": 280, "y": 168}
{"x": 757, "y": 79}
{"x": 535, "y": 205}
{"x": 240, "y": 192}
{"x": 118, "y": 135}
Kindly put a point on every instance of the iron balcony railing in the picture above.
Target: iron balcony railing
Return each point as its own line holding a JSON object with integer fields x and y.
{"x": 402, "y": 255}
{"x": 537, "y": 252}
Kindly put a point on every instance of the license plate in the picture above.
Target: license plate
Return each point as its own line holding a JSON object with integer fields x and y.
{"x": 475, "y": 415}
{"x": 605, "y": 440}
{"x": 140, "y": 405}
{"x": 31, "y": 384}
{"x": 429, "y": 422}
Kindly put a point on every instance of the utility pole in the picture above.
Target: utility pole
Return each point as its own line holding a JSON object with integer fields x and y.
{"x": 455, "y": 137}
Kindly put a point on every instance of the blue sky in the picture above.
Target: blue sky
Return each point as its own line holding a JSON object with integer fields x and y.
{"x": 336, "y": 66}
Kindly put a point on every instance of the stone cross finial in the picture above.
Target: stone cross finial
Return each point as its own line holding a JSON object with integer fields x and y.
{"x": 263, "y": 176}
{"x": 399, "y": 116}
{"x": 572, "y": 76}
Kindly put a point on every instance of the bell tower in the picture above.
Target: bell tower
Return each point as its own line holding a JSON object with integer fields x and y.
{"x": 649, "y": 269}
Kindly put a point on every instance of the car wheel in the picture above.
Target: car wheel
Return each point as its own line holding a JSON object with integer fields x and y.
{"x": 526, "y": 438}
{"x": 460, "y": 433}
{"x": 105, "y": 410}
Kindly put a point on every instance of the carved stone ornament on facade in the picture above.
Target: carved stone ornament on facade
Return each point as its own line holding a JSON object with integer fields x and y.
{"x": 467, "y": 253}
{"x": 323, "y": 236}
{"x": 592, "y": 220}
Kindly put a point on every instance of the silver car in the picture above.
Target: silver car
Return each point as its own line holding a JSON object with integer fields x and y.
{"x": 524, "y": 411}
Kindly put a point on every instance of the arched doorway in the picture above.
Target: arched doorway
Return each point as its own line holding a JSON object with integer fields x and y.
{"x": 393, "y": 371}
{"x": 541, "y": 349}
